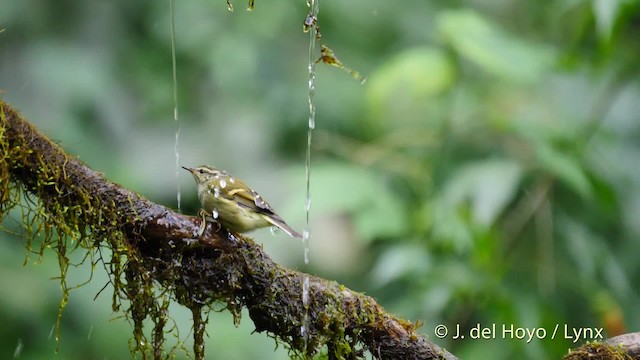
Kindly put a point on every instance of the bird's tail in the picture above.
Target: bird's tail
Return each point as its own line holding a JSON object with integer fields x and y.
{"x": 277, "y": 221}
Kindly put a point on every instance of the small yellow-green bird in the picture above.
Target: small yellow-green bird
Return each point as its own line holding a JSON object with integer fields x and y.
{"x": 233, "y": 204}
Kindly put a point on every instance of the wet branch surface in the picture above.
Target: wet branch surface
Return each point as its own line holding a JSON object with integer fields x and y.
{"x": 215, "y": 267}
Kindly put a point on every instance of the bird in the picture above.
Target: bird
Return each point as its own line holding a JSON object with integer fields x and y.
{"x": 228, "y": 201}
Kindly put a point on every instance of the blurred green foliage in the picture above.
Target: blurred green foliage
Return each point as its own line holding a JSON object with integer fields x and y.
{"x": 487, "y": 172}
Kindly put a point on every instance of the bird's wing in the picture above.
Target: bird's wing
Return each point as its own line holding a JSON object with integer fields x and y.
{"x": 250, "y": 199}
{"x": 245, "y": 197}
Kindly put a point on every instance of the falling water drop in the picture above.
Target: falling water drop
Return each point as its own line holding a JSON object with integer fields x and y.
{"x": 306, "y": 235}
{"x": 223, "y": 183}
{"x": 215, "y": 213}
{"x": 304, "y": 329}
{"x": 274, "y": 230}
{"x": 216, "y": 192}
{"x": 312, "y": 90}
{"x": 176, "y": 146}
{"x": 305, "y": 291}
{"x": 18, "y": 351}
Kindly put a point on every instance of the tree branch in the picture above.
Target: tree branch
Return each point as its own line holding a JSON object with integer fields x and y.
{"x": 623, "y": 347}
{"x": 161, "y": 247}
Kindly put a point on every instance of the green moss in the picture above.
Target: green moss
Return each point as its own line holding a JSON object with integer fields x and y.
{"x": 58, "y": 214}
{"x": 597, "y": 351}
{"x": 60, "y": 211}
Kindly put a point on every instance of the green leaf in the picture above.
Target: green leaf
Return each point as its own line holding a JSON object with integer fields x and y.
{"x": 475, "y": 195}
{"x": 492, "y": 49}
{"x": 489, "y": 185}
{"x": 343, "y": 188}
{"x": 565, "y": 167}
{"x": 605, "y": 12}
{"x": 450, "y": 226}
{"x": 403, "y": 87}
{"x": 399, "y": 261}
{"x": 417, "y": 73}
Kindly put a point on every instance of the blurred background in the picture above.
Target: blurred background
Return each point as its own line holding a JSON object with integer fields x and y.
{"x": 487, "y": 172}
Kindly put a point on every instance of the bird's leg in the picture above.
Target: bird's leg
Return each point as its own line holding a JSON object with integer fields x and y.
{"x": 203, "y": 224}
{"x": 206, "y": 217}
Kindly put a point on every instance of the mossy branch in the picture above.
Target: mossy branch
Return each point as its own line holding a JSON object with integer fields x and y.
{"x": 622, "y": 347}
{"x": 157, "y": 255}
{"x": 155, "y": 249}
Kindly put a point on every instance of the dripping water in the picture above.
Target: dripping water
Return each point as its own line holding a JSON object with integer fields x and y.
{"x": 176, "y": 146}
{"x": 274, "y": 230}
{"x": 304, "y": 329}
{"x": 18, "y": 351}
{"x": 314, "y": 7}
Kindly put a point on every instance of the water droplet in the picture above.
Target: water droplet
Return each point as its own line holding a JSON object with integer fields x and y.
{"x": 274, "y": 230}
{"x": 305, "y": 303}
{"x": 309, "y": 22}
{"x": 18, "y": 351}
{"x": 142, "y": 343}
{"x": 215, "y": 213}
{"x": 51, "y": 332}
{"x": 305, "y": 291}
{"x": 232, "y": 180}
{"x": 223, "y": 183}
{"x": 306, "y": 235}
{"x": 216, "y": 192}
{"x": 90, "y": 332}
{"x": 307, "y": 205}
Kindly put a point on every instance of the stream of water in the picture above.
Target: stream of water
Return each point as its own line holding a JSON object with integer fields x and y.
{"x": 176, "y": 145}
{"x": 314, "y": 8}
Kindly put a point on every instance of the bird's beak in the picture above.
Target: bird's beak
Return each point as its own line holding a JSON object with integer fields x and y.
{"x": 188, "y": 169}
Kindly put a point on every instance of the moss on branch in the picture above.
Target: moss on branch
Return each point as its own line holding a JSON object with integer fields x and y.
{"x": 157, "y": 257}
